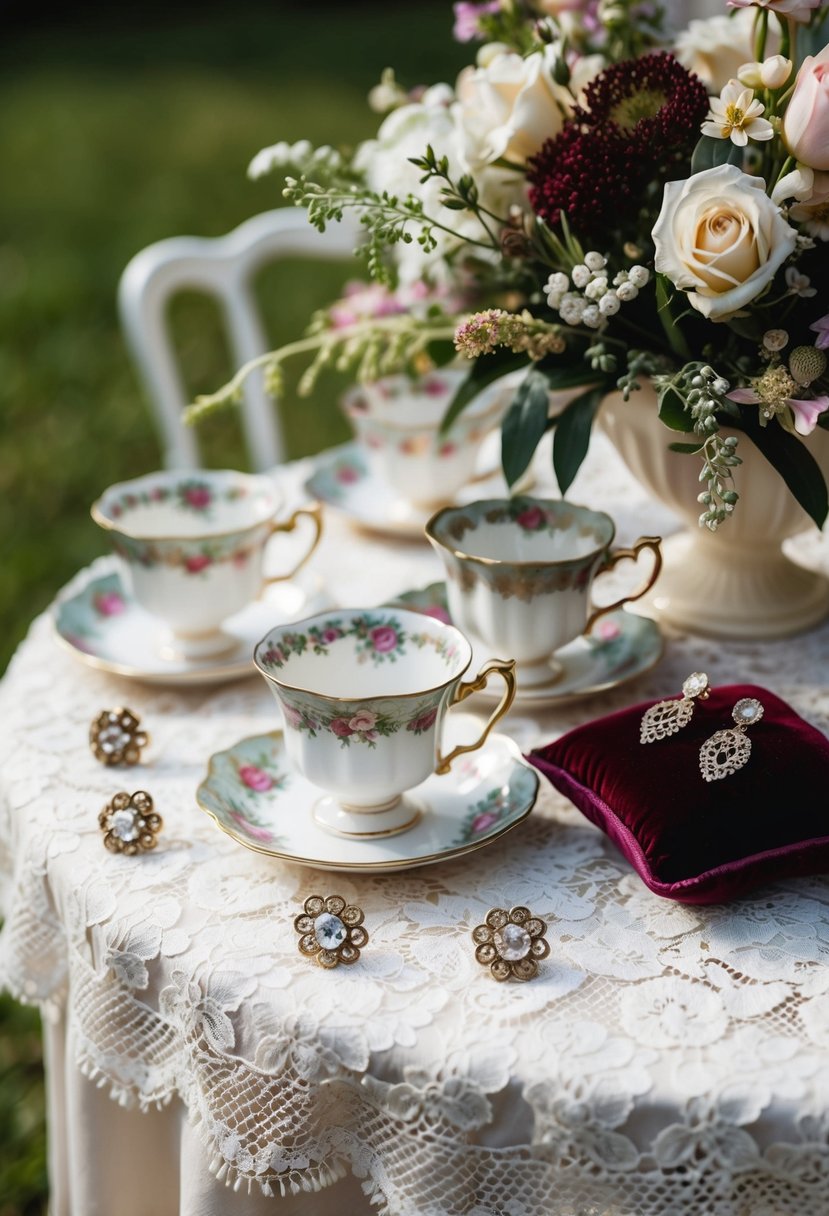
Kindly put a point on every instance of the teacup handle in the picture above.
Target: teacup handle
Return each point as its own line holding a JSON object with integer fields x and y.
{"x": 314, "y": 513}
{"x": 505, "y": 668}
{"x": 644, "y": 542}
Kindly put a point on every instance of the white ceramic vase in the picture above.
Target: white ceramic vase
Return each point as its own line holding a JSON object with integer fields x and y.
{"x": 736, "y": 582}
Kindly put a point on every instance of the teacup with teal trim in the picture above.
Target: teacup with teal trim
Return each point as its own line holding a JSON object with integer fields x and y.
{"x": 519, "y": 574}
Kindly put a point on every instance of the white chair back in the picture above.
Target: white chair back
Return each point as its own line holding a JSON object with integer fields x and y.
{"x": 223, "y": 267}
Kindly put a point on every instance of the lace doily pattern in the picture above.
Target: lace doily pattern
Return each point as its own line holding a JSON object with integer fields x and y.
{"x": 667, "y": 1059}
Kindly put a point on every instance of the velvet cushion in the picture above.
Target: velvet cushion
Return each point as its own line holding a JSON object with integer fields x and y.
{"x": 692, "y": 840}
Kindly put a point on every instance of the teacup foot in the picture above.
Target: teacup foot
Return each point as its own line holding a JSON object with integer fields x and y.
{"x": 175, "y": 647}
{"x": 365, "y": 822}
{"x": 532, "y": 675}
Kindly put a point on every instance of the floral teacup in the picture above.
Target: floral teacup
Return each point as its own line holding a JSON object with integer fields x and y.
{"x": 519, "y": 573}
{"x": 398, "y": 419}
{"x": 363, "y": 694}
{"x": 193, "y": 544}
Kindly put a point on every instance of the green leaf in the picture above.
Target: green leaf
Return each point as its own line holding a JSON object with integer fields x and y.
{"x": 572, "y": 436}
{"x": 561, "y": 377}
{"x": 524, "y": 424}
{"x": 795, "y": 464}
{"x": 687, "y": 449}
{"x": 675, "y": 336}
{"x": 672, "y": 411}
{"x": 484, "y": 371}
{"x": 709, "y": 153}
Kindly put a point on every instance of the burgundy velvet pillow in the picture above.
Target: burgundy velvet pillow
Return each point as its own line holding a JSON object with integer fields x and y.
{"x": 692, "y": 840}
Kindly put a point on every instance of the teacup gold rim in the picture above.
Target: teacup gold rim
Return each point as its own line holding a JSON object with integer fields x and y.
{"x": 109, "y": 525}
{"x": 384, "y": 696}
{"x": 537, "y": 564}
{"x": 380, "y": 865}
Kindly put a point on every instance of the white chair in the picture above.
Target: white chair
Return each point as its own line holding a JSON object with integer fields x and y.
{"x": 223, "y": 267}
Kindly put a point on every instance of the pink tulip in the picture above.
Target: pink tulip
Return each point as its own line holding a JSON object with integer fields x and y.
{"x": 806, "y": 121}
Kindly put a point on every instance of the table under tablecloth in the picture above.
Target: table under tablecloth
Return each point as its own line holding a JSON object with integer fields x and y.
{"x": 667, "y": 1059}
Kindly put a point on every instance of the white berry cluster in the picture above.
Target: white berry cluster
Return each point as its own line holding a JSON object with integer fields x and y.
{"x": 301, "y": 156}
{"x": 587, "y": 297}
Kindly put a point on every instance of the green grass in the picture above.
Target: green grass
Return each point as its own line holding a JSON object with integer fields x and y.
{"x": 111, "y": 137}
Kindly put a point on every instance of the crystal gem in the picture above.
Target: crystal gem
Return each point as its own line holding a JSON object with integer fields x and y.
{"x": 696, "y": 683}
{"x": 512, "y": 942}
{"x": 748, "y": 710}
{"x": 113, "y": 739}
{"x": 329, "y": 931}
{"x": 123, "y": 825}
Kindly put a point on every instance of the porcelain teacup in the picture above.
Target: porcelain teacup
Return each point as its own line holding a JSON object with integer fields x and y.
{"x": 193, "y": 544}
{"x": 364, "y": 693}
{"x": 397, "y": 420}
{"x": 519, "y": 574}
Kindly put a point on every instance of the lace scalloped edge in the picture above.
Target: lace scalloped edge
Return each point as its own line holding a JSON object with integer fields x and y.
{"x": 127, "y": 1097}
{"x": 292, "y": 1182}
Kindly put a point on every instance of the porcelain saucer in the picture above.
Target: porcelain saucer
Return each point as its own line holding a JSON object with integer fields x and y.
{"x": 253, "y": 794}
{"x": 343, "y": 481}
{"x": 621, "y": 647}
{"x": 97, "y": 618}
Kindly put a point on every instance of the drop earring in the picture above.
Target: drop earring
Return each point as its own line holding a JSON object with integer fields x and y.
{"x": 667, "y": 717}
{"x": 728, "y": 750}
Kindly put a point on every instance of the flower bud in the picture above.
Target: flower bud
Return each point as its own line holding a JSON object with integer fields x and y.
{"x": 806, "y": 121}
{"x": 806, "y": 363}
{"x": 775, "y": 71}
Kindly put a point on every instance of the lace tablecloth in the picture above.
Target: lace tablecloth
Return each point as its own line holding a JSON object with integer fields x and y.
{"x": 667, "y": 1060}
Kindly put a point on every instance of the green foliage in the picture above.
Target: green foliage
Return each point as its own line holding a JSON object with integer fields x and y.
{"x": 572, "y": 435}
{"x": 524, "y": 424}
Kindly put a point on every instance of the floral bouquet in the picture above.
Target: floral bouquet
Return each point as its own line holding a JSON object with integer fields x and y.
{"x": 600, "y": 201}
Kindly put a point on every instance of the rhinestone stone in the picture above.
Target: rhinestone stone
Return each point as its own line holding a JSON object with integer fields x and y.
{"x": 329, "y": 931}
{"x": 123, "y": 825}
{"x": 113, "y": 738}
{"x": 513, "y": 942}
{"x": 748, "y": 710}
{"x": 696, "y": 683}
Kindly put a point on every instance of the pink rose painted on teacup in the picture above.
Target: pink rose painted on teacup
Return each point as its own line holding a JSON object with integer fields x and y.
{"x": 197, "y": 563}
{"x": 347, "y": 474}
{"x": 251, "y": 829}
{"x": 108, "y": 603}
{"x": 481, "y": 822}
{"x": 363, "y": 720}
{"x": 530, "y": 519}
{"x": 255, "y": 778}
{"x": 423, "y": 722}
{"x": 198, "y": 497}
{"x": 340, "y": 728}
{"x": 331, "y": 634}
{"x": 384, "y": 638}
{"x": 438, "y": 613}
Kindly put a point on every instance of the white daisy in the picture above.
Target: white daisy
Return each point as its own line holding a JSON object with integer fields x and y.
{"x": 735, "y": 115}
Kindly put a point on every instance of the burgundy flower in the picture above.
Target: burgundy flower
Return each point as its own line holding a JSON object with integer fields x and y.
{"x": 383, "y": 638}
{"x": 419, "y": 725}
{"x": 331, "y": 634}
{"x": 197, "y": 563}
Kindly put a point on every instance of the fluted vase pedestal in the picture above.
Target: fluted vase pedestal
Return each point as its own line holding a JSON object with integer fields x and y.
{"x": 736, "y": 582}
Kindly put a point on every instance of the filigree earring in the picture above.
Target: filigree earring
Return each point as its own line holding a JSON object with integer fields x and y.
{"x": 728, "y": 750}
{"x": 667, "y": 717}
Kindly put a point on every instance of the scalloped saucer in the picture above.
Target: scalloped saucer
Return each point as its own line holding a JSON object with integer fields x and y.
{"x": 344, "y": 482}
{"x": 621, "y": 647}
{"x": 99, "y": 621}
{"x": 253, "y": 794}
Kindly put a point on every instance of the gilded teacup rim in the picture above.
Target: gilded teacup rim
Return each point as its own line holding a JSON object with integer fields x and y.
{"x": 419, "y": 619}
{"x": 97, "y": 510}
{"x": 533, "y": 563}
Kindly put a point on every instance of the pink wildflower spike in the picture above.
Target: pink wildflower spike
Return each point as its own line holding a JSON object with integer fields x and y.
{"x": 806, "y": 413}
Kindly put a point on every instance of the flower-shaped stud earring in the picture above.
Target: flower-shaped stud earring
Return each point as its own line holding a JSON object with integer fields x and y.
{"x": 331, "y": 931}
{"x": 728, "y": 750}
{"x": 129, "y": 823}
{"x": 667, "y": 717}
{"x": 116, "y": 737}
{"x": 511, "y": 943}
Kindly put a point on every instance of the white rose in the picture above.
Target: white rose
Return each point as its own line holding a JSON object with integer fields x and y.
{"x": 720, "y": 238}
{"x": 509, "y": 108}
{"x": 717, "y": 47}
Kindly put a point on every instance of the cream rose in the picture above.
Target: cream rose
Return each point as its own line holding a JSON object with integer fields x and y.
{"x": 720, "y": 238}
{"x": 717, "y": 47}
{"x": 806, "y": 121}
{"x": 507, "y": 109}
